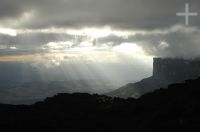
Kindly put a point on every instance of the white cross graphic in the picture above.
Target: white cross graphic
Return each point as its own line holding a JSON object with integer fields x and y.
{"x": 186, "y": 14}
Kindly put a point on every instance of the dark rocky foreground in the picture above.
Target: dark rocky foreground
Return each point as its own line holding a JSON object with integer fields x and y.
{"x": 176, "y": 109}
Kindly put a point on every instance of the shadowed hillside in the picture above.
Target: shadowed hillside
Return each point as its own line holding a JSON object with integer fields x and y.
{"x": 165, "y": 71}
{"x": 171, "y": 110}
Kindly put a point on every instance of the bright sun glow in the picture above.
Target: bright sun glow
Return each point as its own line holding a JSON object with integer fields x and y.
{"x": 85, "y": 49}
{"x": 129, "y": 48}
{"x": 91, "y": 32}
{"x": 8, "y": 31}
{"x": 132, "y": 50}
{"x": 98, "y": 32}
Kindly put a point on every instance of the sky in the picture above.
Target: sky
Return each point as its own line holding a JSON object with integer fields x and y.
{"x": 128, "y": 33}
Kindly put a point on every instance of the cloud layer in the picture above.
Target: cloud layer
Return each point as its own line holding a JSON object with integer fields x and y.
{"x": 121, "y": 14}
{"x": 153, "y": 24}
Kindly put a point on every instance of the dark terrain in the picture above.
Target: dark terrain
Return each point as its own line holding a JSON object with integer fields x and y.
{"x": 175, "y": 109}
{"x": 165, "y": 71}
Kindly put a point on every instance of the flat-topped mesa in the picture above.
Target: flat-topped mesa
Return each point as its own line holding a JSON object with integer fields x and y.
{"x": 165, "y": 71}
{"x": 176, "y": 69}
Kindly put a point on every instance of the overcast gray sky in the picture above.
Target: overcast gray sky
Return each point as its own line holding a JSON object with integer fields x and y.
{"x": 128, "y": 33}
{"x": 153, "y": 24}
{"x": 120, "y": 14}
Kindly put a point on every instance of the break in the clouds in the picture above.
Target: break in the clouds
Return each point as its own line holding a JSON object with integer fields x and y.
{"x": 32, "y": 27}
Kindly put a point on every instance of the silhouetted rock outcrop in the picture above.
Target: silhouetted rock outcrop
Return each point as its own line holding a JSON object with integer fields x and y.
{"x": 175, "y": 69}
{"x": 169, "y": 110}
{"x": 165, "y": 72}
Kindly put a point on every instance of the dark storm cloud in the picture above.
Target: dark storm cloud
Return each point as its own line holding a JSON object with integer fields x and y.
{"x": 29, "y": 43}
{"x": 11, "y": 8}
{"x": 145, "y": 15}
{"x": 172, "y": 44}
{"x": 114, "y": 40}
{"x": 122, "y": 14}
{"x": 176, "y": 43}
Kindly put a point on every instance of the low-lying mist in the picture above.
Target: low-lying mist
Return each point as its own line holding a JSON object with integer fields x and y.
{"x": 28, "y": 82}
